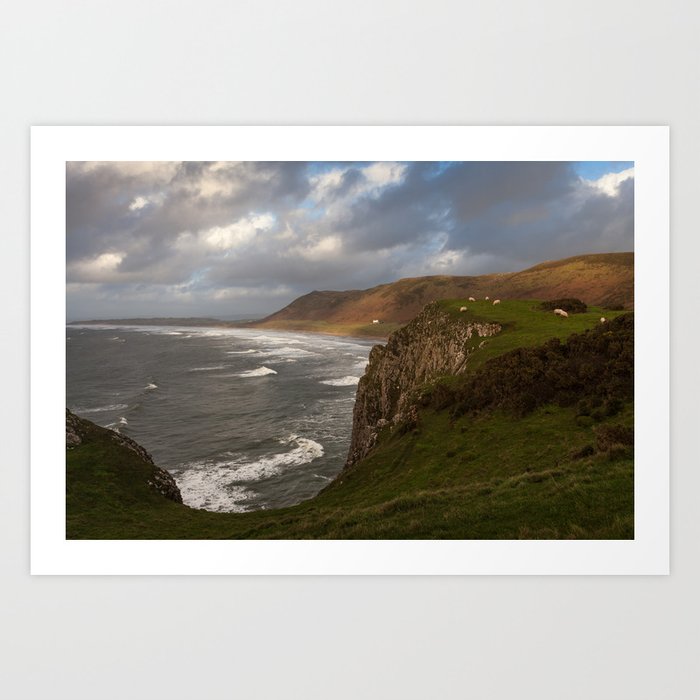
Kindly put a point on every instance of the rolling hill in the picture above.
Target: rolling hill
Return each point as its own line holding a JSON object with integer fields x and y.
{"x": 605, "y": 279}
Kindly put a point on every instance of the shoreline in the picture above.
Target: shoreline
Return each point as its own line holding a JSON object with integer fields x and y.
{"x": 335, "y": 330}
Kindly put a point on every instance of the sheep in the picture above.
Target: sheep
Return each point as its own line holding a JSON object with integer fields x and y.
{"x": 472, "y": 299}
{"x": 486, "y": 298}
{"x": 602, "y": 319}
{"x": 462, "y": 308}
{"x": 376, "y": 320}
{"x": 561, "y": 312}
{"x": 497, "y": 301}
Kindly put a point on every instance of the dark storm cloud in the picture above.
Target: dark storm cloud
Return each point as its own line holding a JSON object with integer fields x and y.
{"x": 204, "y": 236}
{"x": 476, "y": 204}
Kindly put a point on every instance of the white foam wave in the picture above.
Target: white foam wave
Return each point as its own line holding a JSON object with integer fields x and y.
{"x": 342, "y": 381}
{"x": 123, "y": 421}
{"x": 259, "y": 372}
{"x": 240, "y": 352}
{"x": 208, "y": 488}
{"x": 276, "y": 339}
{"x": 287, "y": 351}
{"x": 217, "y": 486}
{"x": 151, "y": 386}
{"x": 212, "y": 368}
{"x": 101, "y": 409}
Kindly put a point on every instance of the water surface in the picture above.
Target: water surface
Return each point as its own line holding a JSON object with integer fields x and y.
{"x": 243, "y": 419}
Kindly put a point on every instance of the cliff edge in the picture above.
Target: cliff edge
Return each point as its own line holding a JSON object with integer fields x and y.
{"x": 79, "y": 431}
{"x": 435, "y": 343}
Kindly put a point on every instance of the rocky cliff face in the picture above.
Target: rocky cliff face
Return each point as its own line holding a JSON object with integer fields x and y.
{"x": 78, "y": 430}
{"x": 432, "y": 345}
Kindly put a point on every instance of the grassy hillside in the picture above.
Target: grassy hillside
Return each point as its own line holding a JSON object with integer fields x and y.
{"x": 601, "y": 279}
{"x": 556, "y": 468}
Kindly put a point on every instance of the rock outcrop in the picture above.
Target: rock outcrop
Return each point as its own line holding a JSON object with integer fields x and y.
{"x": 78, "y": 431}
{"x": 433, "y": 344}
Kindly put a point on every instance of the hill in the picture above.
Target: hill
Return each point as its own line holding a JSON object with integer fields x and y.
{"x": 605, "y": 279}
{"x": 501, "y": 422}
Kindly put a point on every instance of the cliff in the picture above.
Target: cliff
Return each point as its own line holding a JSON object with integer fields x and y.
{"x": 435, "y": 343}
{"x": 80, "y": 431}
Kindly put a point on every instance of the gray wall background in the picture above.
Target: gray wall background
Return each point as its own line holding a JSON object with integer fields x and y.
{"x": 360, "y": 62}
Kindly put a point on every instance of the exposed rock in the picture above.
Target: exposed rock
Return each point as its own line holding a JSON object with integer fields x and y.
{"x": 73, "y": 437}
{"x": 432, "y": 345}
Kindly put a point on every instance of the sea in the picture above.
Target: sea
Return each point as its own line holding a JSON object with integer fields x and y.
{"x": 243, "y": 419}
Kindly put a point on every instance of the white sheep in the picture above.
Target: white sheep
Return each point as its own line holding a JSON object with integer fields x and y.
{"x": 472, "y": 299}
{"x": 486, "y": 298}
{"x": 561, "y": 312}
{"x": 462, "y": 308}
{"x": 603, "y": 319}
{"x": 497, "y": 301}
{"x": 376, "y": 320}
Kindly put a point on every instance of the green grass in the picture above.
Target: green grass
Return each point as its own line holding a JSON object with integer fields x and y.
{"x": 524, "y": 324}
{"x": 491, "y": 477}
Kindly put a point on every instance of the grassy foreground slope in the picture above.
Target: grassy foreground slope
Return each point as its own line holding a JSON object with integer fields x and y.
{"x": 560, "y": 466}
{"x": 605, "y": 279}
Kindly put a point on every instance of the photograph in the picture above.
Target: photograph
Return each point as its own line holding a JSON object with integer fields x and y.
{"x": 350, "y": 350}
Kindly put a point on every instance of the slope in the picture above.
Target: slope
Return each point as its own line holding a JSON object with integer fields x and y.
{"x": 602, "y": 279}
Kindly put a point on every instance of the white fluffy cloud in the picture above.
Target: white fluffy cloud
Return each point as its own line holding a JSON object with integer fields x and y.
{"x": 239, "y": 233}
{"x": 610, "y": 183}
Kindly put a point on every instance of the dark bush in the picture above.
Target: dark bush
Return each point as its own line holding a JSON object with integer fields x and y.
{"x": 585, "y": 451}
{"x": 571, "y": 306}
{"x": 611, "y": 436}
{"x": 593, "y": 371}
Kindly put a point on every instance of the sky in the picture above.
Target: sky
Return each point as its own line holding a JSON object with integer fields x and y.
{"x": 243, "y": 239}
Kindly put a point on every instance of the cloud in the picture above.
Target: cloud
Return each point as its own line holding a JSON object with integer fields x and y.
{"x": 610, "y": 183}
{"x": 225, "y": 237}
{"x": 239, "y": 233}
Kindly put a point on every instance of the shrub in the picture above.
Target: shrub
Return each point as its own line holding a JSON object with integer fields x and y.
{"x": 592, "y": 370}
{"x": 585, "y": 451}
{"x": 572, "y": 306}
{"x": 614, "y": 436}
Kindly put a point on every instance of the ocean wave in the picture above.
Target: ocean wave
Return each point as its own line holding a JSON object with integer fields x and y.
{"x": 276, "y": 339}
{"x": 101, "y": 409}
{"x": 287, "y": 351}
{"x": 208, "y": 488}
{"x": 123, "y": 421}
{"x": 259, "y": 372}
{"x": 342, "y": 381}
{"x": 151, "y": 386}
{"x": 216, "y": 485}
{"x": 211, "y": 368}
{"x": 241, "y": 352}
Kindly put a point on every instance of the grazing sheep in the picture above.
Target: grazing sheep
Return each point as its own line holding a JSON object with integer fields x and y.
{"x": 497, "y": 301}
{"x": 486, "y": 298}
{"x": 462, "y": 308}
{"x": 472, "y": 299}
{"x": 561, "y": 312}
{"x": 376, "y": 320}
{"x": 602, "y": 319}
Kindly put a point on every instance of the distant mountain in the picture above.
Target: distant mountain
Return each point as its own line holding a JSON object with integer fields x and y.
{"x": 605, "y": 279}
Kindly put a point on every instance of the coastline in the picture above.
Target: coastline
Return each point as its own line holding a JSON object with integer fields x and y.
{"x": 356, "y": 331}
